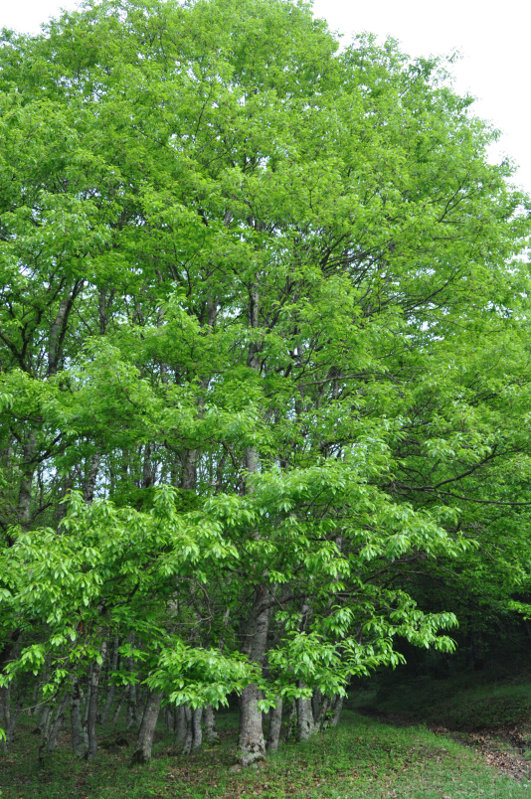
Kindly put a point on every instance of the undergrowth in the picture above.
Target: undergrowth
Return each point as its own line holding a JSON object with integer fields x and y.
{"x": 453, "y": 703}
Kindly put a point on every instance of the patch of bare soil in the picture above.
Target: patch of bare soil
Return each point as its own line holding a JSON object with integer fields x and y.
{"x": 502, "y": 749}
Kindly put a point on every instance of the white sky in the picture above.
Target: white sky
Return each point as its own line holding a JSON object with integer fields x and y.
{"x": 492, "y": 36}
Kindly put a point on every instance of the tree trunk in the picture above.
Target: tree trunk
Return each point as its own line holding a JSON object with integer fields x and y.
{"x": 118, "y": 709}
{"x": 93, "y": 706}
{"x": 337, "y": 707}
{"x": 329, "y": 712}
{"x": 51, "y": 728}
{"x": 275, "y": 725}
{"x": 197, "y": 731}
{"x": 89, "y": 483}
{"x": 251, "y": 740}
{"x": 210, "y": 725}
{"x": 179, "y": 724}
{"x": 111, "y": 689}
{"x": 188, "y": 731}
{"x": 305, "y": 720}
{"x": 79, "y": 730}
{"x": 26, "y": 480}
{"x": 8, "y": 716}
{"x": 132, "y": 713}
{"x": 146, "y": 733}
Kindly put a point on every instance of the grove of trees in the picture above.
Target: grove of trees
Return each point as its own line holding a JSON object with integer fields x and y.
{"x": 264, "y": 366}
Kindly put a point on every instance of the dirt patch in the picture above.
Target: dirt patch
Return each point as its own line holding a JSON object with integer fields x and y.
{"x": 501, "y": 749}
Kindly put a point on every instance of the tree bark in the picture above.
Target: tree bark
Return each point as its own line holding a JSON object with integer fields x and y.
{"x": 210, "y": 725}
{"x": 51, "y": 728}
{"x": 329, "y": 712}
{"x": 188, "y": 731}
{"x": 93, "y": 706}
{"x": 197, "y": 731}
{"x": 79, "y": 730}
{"x": 251, "y": 739}
{"x": 146, "y": 733}
{"x": 305, "y": 720}
{"x": 275, "y": 725}
{"x": 179, "y": 724}
{"x": 26, "y": 480}
{"x": 111, "y": 689}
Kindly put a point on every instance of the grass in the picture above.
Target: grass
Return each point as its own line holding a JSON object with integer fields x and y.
{"x": 361, "y": 758}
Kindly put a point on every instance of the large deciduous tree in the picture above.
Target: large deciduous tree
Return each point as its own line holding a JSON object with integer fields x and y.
{"x": 262, "y": 357}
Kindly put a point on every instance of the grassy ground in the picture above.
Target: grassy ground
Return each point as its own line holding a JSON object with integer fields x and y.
{"x": 500, "y": 710}
{"x": 362, "y": 758}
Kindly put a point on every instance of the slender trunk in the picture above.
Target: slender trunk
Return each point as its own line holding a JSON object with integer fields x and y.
{"x": 275, "y": 725}
{"x": 291, "y": 731}
{"x": 79, "y": 730}
{"x": 179, "y": 724}
{"x": 189, "y": 473}
{"x": 91, "y": 477}
{"x": 93, "y": 706}
{"x": 132, "y": 713}
{"x": 188, "y": 732}
{"x": 26, "y": 480}
{"x": 118, "y": 710}
{"x": 329, "y": 712}
{"x": 322, "y": 712}
{"x": 51, "y": 728}
{"x": 59, "y": 327}
{"x": 197, "y": 730}
{"x": 337, "y": 707}
{"x": 8, "y": 716}
{"x": 169, "y": 720}
{"x": 146, "y": 733}
{"x": 113, "y": 666}
{"x": 210, "y": 725}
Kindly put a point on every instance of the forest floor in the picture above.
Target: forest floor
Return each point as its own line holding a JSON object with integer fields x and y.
{"x": 493, "y": 717}
{"x": 470, "y": 752}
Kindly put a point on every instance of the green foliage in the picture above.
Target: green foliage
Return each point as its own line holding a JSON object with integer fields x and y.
{"x": 262, "y": 331}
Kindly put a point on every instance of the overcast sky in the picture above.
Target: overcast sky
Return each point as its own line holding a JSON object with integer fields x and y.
{"x": 492, "y": 36}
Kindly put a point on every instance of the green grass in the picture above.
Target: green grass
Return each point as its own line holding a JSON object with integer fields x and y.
{"x": 362, "y": 758}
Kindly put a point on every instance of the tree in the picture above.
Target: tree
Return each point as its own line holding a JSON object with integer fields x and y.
{"x": 245, "y": 281}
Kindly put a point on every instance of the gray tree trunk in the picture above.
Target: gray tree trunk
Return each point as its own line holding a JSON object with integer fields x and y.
{"x": 8, "y": 716}
{"x": 51, "y": 728}
{"x": 210, "y": 725}
{"x": 275, "y": 725}
{"x": 92, "y": 714}
{"x": 26, "y": 480}
{"x": 118, "y": 709}
{"x": 79, "y": 730}
{"x": 305, "y": 720}
{"x": 179, "y": 724}
{"x": 111, "y": 690}
{"x": 132, "y": 711}
{"x": 329, "y": 712}
{"x": 251, "y": 739}
{"x": 146, "y": 733}
{"x": 197, "y": 731}
{"x": 337, "y": 707}
{"x": 188, "y": 738}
